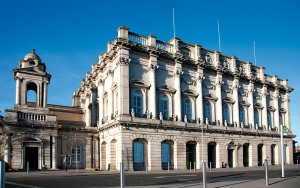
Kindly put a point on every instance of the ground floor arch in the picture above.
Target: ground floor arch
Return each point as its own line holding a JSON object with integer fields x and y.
{"x": 191, "y": 154}
{"x": 211, "y": 154}
{"x": 103, "y": 156}
{"x": 260, "y": 154}
{"x": 246, "y": 155}
{"x": 140, "y": 153}
{"x": 167, "y": 154}
{"x": 113, "y": 154}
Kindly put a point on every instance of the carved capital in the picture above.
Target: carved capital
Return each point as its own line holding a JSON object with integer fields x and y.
{"x": 153, "y": 67}
{"x": 124, "y": 61}
{"x": 110, "y": 73}
{"x": 178, "y": 73}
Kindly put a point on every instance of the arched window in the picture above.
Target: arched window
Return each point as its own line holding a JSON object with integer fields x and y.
{"x": 242, "y": 115}
{"x": 207, "y": 111}
{"x": 270, "y": 119}
{"x": 164, "y": 107}
{"x": 226, "y": 114}
{"x": 138, "y": 154}
{"x": 256, "y": 118}
{"x": 76, "y": 153}
{"x": 138, "y": 103}
{"x": 187, "y": 109}
{"x": 31, "y": 93}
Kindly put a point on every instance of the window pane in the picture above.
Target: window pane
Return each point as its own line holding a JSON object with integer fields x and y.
{"x": 165, "y": 152}
{"x": 138, "y": 152}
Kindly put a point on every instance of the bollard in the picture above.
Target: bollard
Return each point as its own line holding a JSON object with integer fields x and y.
{"x": 122, "y": 179}
{"x": 210, "y": 166}
{"x": 168, "y": 166}
{"x": 190, "y": 166}
{"x": 266, "y": 172}
{"x": 194, "y": 166}
{"x": 27, "y": 167}
{"x": 204, "y": 174}
{"x": 2, "y": 174}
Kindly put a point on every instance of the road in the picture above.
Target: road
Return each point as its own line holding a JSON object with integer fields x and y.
{"x": 80, "y": 179}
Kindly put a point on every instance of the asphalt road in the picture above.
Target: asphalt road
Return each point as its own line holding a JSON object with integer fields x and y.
{"x": 80, "y": 179}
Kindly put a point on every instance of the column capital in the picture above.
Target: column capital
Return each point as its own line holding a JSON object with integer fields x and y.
{"x": 124, "y": 61}
{"x": 153, "y": 67}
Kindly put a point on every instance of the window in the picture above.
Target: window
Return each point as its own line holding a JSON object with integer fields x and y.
{"x": 270, "y": 119}
{"x": 207, "y": 110}
{"x": 187, "y": 109}
{"x": 164, "y": 107}
{"x": 226, "y": 114}
{"x": 256, "y": 118}
{"x": 76, "y": 153}
{"x": 137, "y": 103}
{"x": 138, "y": 154}
{"x": 242, "y": 115}
{"x": 165, "y": 153}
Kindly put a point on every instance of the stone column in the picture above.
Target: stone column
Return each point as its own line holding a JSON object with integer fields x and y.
{"x": 179, "y": 155}
{"x": 123, "y": 89}
{"x": 276, "y": 106}
{"x": 87, "y": 110}
{"x": 152, "y": 91}
{"x": 287, "y": 115}
{"x": 264, "y": 111}
{"x": 236, "y": 111}
{"x": 177, "y": 96}
{"x": 18, "y": 91}
{"x": 54, "y": 152}
{"x": 88, "y": 153}
{"x": 45, "y": 94}
{"x": 94, "y": 106}
{"x": 110, "y": 94}
{"x": 199, "y": 99}
{"x": 100, "y": 101}
{"x": 219, "y": 108}
{"x": 7, "y": 153}
{"x": 251, "y": 107}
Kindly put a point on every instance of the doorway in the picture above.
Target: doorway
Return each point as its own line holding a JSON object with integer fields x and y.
{"x": 31, "y": 156}
{"x": 230, "y": 157}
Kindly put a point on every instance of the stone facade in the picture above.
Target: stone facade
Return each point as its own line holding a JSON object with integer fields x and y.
{"x": 153, "y": 105}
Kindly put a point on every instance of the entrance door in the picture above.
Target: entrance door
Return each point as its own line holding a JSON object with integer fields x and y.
{"x": 211, "y": 154}
{"x": 190, "y": 154}
{"x": 272, "y": 154}
{"x": 230, "y": 158}
{"x": 260, "y": 154}
{"x": 246, "y": 155}
{"x": 31, "y": 156}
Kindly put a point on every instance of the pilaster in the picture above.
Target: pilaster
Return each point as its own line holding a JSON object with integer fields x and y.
{"x": 54, "y": 152}
{"x": 199, "y": 99}
{"x": 219, "y": 108}
{"x": 251, "y": 107}
{"x": 265, "y": 109}
{"x": 177, "y": 96}
{"x": 235, "y": 87}
{"x": 152, "y": 91}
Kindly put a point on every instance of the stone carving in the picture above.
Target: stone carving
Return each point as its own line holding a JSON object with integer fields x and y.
{"x": 178, "y": 73}
{"x": 124, "y": 61}
{"x": 153, "y": 67}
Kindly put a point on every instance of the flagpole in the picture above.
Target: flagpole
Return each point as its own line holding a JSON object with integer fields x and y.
{"x": 254, "y": 48}
{"x": 219, "y": 35}
{"x": 174, "y": 22}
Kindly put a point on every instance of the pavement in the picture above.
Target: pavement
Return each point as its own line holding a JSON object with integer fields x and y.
{"x": 274, "y": 182}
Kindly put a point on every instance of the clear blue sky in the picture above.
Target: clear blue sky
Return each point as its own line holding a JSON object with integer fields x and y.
{"x": 69, "y": 35}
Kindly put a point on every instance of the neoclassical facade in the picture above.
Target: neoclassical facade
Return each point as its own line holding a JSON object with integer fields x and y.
{"x": 152, "y": 105}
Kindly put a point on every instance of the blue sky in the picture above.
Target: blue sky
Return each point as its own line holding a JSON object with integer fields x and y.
{"x": 69, "y": 35}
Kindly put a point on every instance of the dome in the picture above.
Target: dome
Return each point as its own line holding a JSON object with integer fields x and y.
{"x": 32, "y": 56}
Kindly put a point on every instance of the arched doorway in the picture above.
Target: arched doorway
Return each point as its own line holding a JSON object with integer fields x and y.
{"x": 273, "y": 154}
{"x": 211, "y": 152}
{"x": 113, "y": 154}
{"x": 167, "y": 148}
{"x": 140, "y": 147}
{"x": 260, "y": 154}
{"x": 103, "y": 156}
{"x": 246, "y": 155}
{"x": 191, "y": 154}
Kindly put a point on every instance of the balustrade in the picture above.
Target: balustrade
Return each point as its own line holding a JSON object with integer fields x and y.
{"x": 30, "y": 116}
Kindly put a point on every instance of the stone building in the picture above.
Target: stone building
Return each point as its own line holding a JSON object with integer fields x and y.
{"x": 153, "y": 105}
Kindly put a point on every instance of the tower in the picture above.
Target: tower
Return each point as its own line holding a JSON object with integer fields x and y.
{"x": 31, "y": 75}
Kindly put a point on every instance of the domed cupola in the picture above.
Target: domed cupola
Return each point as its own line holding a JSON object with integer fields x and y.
{"x": 32, "y": 60}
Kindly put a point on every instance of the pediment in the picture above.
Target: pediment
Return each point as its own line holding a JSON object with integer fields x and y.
{"x": 190, "y": 92}
{"x": 229, "y": 100}
{"x": 166, "y": 88}
{"x": 245, "y": 103}
{"x": 139, "y": 83}
{"x": 211, "y": 97}
{"x": 271, "y": 109}
{"x": 259, "y": 106}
